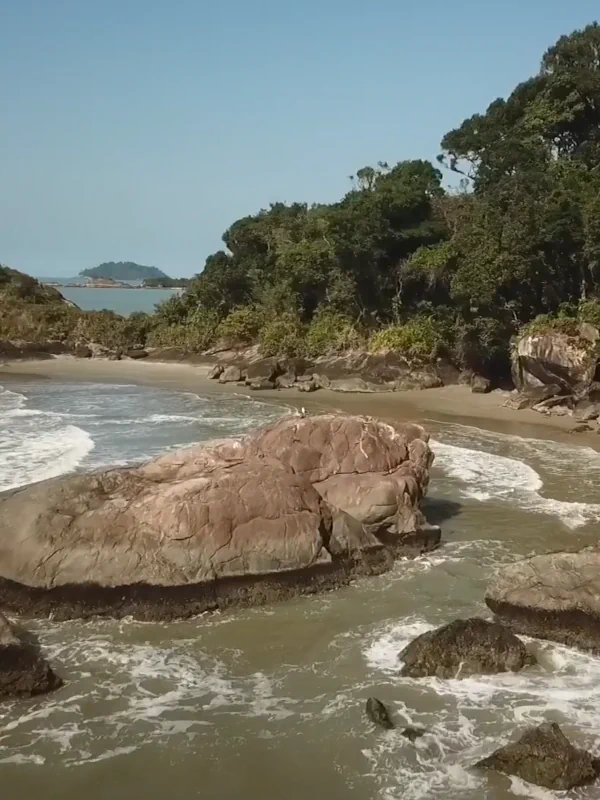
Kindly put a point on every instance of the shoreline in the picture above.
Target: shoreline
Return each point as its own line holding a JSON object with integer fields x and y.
{"x": 455, "y": 403}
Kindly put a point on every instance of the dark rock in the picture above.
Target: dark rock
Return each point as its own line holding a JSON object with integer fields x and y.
{"x": 583, "y": 428}
{"x": 215, "y": 372}
{"x": 545, "y": 757}
{"x": 23, "y": 671}
{"x": 231, "y": 374}
{"x": 465, "y": 647}
{"x": 82, "y": 351}
{"x": 137, "y": 353}
{"x": 268, "y": 369}
{"x": 260, "y": 384}
{"x": 378, "y": 713}
{"x": 480, "y": 385}
{"x": 552, "y": 596}
{"x": 412, "y": 734}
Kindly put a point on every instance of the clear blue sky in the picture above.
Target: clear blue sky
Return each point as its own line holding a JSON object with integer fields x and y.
{"x": 140, "y": 129}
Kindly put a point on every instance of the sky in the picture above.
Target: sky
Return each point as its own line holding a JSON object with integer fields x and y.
{"x": 141, "y": 129}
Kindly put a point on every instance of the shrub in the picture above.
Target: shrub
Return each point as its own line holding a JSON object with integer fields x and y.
{"x": 418, "y": 338}
{"x": 283, "y": 336}
{"x": 330, "y": 332}
{"x": 241, "y": 326}
{"x": 196, "y": 333}
{"x": 589, "y": 311}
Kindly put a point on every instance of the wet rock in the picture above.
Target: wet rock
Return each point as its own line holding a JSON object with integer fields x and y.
{"x": 23, "y": 671}
{"x": 583, "y": 428}
{"x": 552, "y": 596}
{"x": 480, "y": 385}
{"x": 231, "y": 374}
{"x": 215, "y": 372}
{"x": 545, "y": 757}
{"x": 378, "y": 713}
{"x": 462, "y": 648}
{"x": 412, "y": 734}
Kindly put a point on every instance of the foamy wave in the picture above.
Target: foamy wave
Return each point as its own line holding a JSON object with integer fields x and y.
{"x": 10, "y": 400}
{"x": 488, "y": 476}
{"x": 564, "y": 688}
{"x": 38, "y": 455}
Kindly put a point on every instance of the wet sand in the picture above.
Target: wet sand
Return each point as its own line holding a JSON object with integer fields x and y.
{"x": 449, "y": 403}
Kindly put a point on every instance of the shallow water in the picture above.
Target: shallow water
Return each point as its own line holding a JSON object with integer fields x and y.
{"x": 268, "y": 703}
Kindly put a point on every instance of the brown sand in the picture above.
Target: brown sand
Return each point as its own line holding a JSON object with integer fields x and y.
{"x": 450, "y": 403}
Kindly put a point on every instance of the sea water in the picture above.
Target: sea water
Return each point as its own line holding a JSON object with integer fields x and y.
{"x": 268, "y": 703}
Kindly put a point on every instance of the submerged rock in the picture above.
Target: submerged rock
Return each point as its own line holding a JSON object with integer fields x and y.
{"x": 23, "y": 671}
{"x": 462, "y": 648}
{"x": 378, "y": 713}
{"x": 412, "y": 734}
{"x": 236, "y": 522}
{"x": 553, "y": 596}
{"x": 544, "y": 756}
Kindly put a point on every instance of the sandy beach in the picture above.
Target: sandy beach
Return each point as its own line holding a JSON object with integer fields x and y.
{"x": 450, "y": 403}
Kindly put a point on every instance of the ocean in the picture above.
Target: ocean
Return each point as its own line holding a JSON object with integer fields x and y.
{"x": 122, "y": 301}
{"x": 269, "y": 702}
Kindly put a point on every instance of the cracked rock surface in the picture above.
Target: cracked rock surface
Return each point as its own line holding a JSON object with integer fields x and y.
{"x": 301, "y": 505}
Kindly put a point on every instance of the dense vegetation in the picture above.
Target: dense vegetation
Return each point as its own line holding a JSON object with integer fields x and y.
{"x": 124, "y": 271}
{"x": 401, "y": 263}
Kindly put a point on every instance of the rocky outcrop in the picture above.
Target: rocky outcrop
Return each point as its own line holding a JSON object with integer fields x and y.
{"x": 378, "y": 713}
{"x": 544, "y": 756}
{"x": 480, "y": 385}
{"x": 23, "y": 671}
{"x": 231, "y": 374}
{"x": 353, "y": 371}
{"x": 235, "y": 522}
{"x": 554, "y": 596}
{"x": 553, "y": 358}
{"x": 464, "y": 647}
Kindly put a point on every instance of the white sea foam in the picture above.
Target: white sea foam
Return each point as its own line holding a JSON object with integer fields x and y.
{"x": 488, "y": 476}
{"x": 564, "y": 688}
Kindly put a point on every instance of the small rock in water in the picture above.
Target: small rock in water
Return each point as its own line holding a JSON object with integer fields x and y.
{"x": 378, "y": 713}
{"x": 583, "y": 428}
{"x": 412, "y": 734}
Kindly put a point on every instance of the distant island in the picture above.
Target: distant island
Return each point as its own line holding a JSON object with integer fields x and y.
{"x": 124, "y": 271}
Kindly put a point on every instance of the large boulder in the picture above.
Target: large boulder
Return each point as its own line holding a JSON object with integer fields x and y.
{"x": 553, "y": 596}
{"x": 462, "y": 648}
{"x": 266, "y": 369}
{"x": 544, "y": 756}
{"x": 541, "y": 359}
{"x": 233, "y": 522}
{"x": 231, "y": 374}
{"x": 23, "y": 671}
